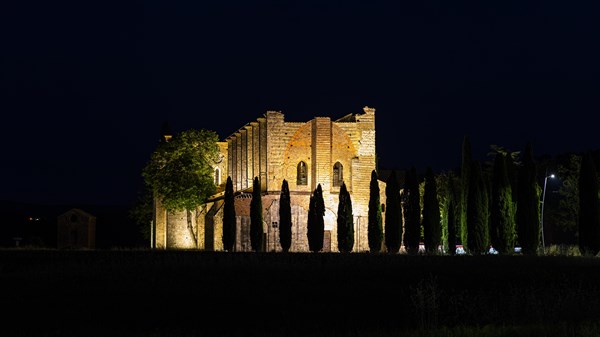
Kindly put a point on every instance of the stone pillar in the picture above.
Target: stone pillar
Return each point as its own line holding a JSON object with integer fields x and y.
{"x": 250, "y": 151}
{"x": 244, "y": 158}
{"x": 321, "y": 153}
{"x": 262, "y": 122}
{"x": 238, "y": 162}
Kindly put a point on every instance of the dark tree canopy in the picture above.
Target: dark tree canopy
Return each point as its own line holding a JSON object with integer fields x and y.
{"x": 502, "y": 225}
{"x": 285, "y": 217}
{"x": 412, "y": 212}
{"x": 431, "y": 214}
{"x": 229, "y": 217}
{"x": 465, "y": 172}
{"x": 256, "y": 217}
{"x": 589, "y": 207}
{"x": 375, "y": 221}
{"x": 452, "y": 214}
{"x": 393, "y": 214}
{"x": 316, "y": 222}
{"x": 528, "y": 205}
{"x": 477, "y": 212}
{"x": 345, "y": 221}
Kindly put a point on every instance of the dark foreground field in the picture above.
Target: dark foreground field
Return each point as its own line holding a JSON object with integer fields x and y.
{"x": 185, "y": 293}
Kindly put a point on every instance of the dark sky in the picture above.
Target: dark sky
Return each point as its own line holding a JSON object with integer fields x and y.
{"x": 86, "y": 85}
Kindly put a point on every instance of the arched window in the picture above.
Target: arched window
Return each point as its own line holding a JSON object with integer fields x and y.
{"x": 301, "y": 174}
{"x": 338, "y": 174}
{"x": 217, "y": 176}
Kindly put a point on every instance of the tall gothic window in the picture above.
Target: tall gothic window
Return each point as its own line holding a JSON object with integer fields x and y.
{"x": 338, "y": 174}
{"x": 217, "y": 176}
{"x": 301, "y": 174}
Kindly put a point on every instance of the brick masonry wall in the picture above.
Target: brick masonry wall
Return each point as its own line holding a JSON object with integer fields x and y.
{"x": 271, "y": 148}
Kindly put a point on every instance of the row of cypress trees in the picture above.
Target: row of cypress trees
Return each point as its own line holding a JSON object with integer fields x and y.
{"x": 403, "y": 221}
{"x": 507, "y": 213}
{"x": 315, "y": 224}
{"x": 500, "y": 209}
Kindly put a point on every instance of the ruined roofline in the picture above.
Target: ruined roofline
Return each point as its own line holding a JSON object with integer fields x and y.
{"x": 351, "y": 117}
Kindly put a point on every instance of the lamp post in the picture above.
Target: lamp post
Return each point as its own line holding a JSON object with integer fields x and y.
{"x": 542, "y": 215}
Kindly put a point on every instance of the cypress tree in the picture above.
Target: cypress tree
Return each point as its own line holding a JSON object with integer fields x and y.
{"x": 345, "y": 221}
{"x": 412, "y": 213}
{"x": 320, "y": 220}
{"x": 432, "y": 230}
{"x": 393, "y": 214}
{"x": 589, "y": 207}
{"x": 477, "y": 226}
{"x": 502, "y": 228}
{"x": 465, "y": 173}
{"x": 311, "y": 223}
{"x": 316, "y": 223}
{"x": 256, "y": 217}
{"x": 285, "y": 217}
{"x": 375, "y": 230}
{"x": 229, "y": 217}
{"x": 528, "y": 205}
{"x": 451, "y": 205}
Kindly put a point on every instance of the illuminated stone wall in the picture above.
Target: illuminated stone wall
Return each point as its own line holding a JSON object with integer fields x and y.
{"x": 319, "y": 143}
{"x": 271, "y": 148}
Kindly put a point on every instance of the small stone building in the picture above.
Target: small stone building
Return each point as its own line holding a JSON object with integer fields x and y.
{"x": 319, "y": 151}
{"x": 76, "y": 229}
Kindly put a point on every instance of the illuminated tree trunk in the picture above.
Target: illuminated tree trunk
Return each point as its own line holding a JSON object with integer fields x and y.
{"x": 190, "y": 227}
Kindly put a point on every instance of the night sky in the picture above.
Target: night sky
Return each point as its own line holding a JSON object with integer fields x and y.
{"x": 86, "y": 85}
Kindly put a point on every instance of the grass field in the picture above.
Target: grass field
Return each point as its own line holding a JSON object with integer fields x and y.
{"x": 190, "y": 293}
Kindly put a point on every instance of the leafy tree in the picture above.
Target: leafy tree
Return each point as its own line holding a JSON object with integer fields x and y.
{"x": 589, "y": 207}
{"x": 528, "y": 205}
{"x": 256, "y": 217}
{"x": 412, "y": 212}
{"x": 180, "y": 172}
{"x": 285, "y": 217}
{"x": 393, "y": 214}
{"x": 502, "y": 225}
{"x": 229, "y": 217}
{"x": 441, "y": 181}
{"x": 375, "y": 229}
{"x": 316, "y": 223}
{"x": 477, "y": 214}
{"x": 431, "y": 214}
{"x": 465, "y": 173}
{"x": 345, "y": 221}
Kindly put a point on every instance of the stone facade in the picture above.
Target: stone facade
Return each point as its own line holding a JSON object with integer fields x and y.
{"x": 76, "y": 229}
{"x": 320, "y": 151}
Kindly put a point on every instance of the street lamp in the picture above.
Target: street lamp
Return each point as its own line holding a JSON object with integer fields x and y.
{"x": 542, "y": 215}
